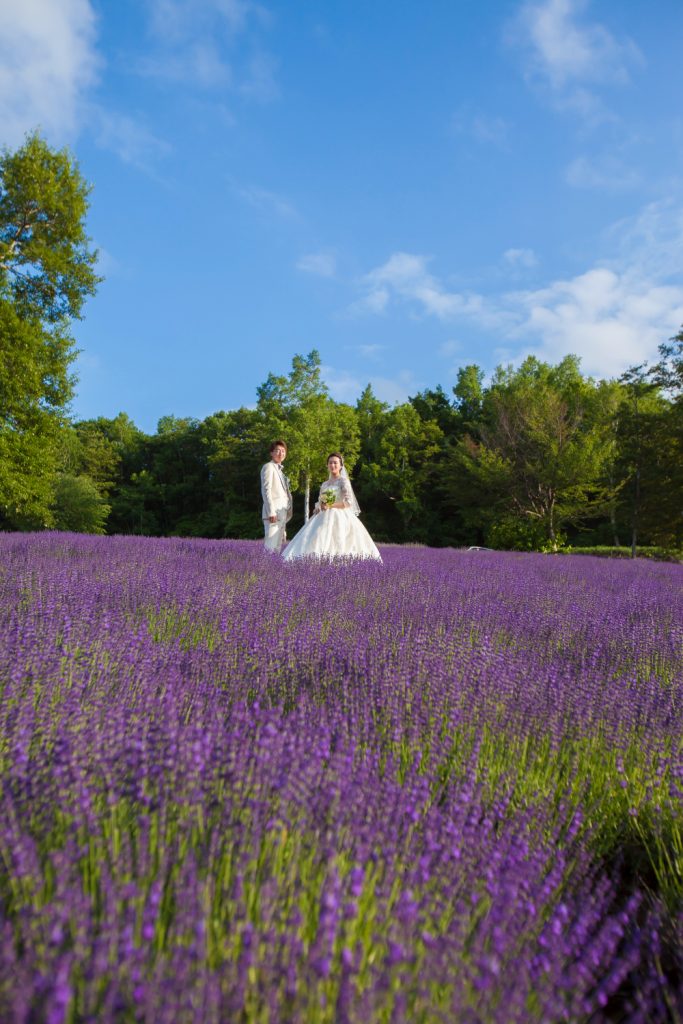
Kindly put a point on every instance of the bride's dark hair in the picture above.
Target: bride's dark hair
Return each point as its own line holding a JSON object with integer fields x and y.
{"x": 337, "y": 455}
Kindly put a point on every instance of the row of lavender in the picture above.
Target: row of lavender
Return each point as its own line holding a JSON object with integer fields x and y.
{"x": 446, "y": 787}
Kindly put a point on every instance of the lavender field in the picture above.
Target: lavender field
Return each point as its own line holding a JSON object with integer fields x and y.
{"x": 445, "y": 788}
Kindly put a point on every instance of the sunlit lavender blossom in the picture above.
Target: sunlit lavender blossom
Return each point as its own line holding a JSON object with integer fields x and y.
{"x": 239, "y": 789}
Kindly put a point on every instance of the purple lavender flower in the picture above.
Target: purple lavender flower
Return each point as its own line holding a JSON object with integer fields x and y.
{"x": 376, "y": 792}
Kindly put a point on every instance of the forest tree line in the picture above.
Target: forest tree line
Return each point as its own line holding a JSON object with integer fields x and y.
{"x": 539, "y": 456}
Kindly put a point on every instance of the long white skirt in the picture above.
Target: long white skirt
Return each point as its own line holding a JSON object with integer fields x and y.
{"x": 337, "y": 533}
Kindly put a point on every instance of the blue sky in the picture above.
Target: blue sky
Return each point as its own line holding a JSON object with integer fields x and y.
{"x": 407, "y": 187}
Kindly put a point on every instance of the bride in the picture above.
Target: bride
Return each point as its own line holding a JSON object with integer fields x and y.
{"x": 334, "y": 530}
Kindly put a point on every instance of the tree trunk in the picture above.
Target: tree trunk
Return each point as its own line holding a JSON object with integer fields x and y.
{"x": 636, "y": 510}
{"x": 613, "y": 523}
{"x": 307, "y": 495}
{"x": 636, "y": 496}
{"x": 551, "y": 525}
{"x": 613, "y": 511}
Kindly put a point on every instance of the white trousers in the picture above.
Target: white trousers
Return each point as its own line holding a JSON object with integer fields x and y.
{"x": 274, "y": 535}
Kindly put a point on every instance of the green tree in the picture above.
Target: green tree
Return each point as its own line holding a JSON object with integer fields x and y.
{"x": 668, "y": 372}
{"x": 78, "y": 505}
{"x": 433, "y": 405}
{"x": 298, "y": 409}
{"x": 112, "y": 451}
{"x": 177, "y": 465}
{"x": 607, "y": 525}
{"x": 649, "y": 462}
{"x": 403, "y": 471}
{"x": 46, "y": 272}
{"x": 469, "y": 397}
{"x": 371, "y": 415}
{"x": 120, "y": 431}
{"x": 378, "y": 509}
{"x": 541, "y": 448}
{"x": 87, "y": 451}
{"x": 635, "y": 421}
{"x": 668, "y": 375}
{"x": 234, "y": 446}
{"x": 136, "y": 504}
{"x": 88, "y": 467}
{"x": 163, "y": 483}
{"x": 439, "y": 522}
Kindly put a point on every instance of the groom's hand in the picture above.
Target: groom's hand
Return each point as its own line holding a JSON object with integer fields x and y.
{"x": 272, "y": 519}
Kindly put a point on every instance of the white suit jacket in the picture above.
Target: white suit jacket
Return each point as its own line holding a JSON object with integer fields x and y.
{"x": 277, "y": 497}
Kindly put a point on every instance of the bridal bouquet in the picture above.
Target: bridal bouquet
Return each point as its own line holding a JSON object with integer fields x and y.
{"x": 329, "y": 496}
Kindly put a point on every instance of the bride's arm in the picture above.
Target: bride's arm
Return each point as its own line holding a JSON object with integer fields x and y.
{"x": 339, "y": 501}
{"x": 343, "y": 499}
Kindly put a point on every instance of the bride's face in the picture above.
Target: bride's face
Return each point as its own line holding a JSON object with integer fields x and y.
{"x": 334, "y": 465}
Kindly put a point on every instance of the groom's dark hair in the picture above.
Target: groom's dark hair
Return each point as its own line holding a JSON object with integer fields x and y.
{"x": 277, "y": 444}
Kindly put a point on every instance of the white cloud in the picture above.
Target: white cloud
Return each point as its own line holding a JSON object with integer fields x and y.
{"x": 525, "y": 258}
{"x": 396, "y": 389}
{"x": 405, "y": 277}
{"x": 613, "y": 314}
{"x": 132, "y": 142}
{"x": 651, "y": 242}
{"x": 376, "y": 301}
{"x": 607, "y": 172}
{"x": 485, "y": 128}
{"x": 490, "y": 129}
{"x": 176, "y": 20}
{"x": 449, "y": 349}
{"x": 48, "y": 62}
{"x": 611, "y": 320}
{"x": 266, "y": 201}
{"x": 370, "y": 351}
{"x": 408, "y": 276}
{"x": 323, "y": 263}
{"x": 568, "y": 55}
{"x": 259, "y": 82}
{"x": 199, "y": 62}
{"x": 343, "y": 385}
{"x": 192, "y": 37}
{"x": 565, "y": 51}
{"x": 348, "y": 387}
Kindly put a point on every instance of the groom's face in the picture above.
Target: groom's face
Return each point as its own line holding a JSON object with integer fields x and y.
{"x": 278, "y": 454}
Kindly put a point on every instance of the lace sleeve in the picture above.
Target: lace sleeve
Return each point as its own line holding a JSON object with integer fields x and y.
{"x": 346, "y": 493}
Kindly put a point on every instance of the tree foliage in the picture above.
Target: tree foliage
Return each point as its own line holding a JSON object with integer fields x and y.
{"x": 400, "y": 476}
{"x": 298, "y": 409}
{"x": 539, "y": 455}
{"x": 46, "y": 272}
{"x": 541, "y": 447}
{"x": 78, "y": 505}
{"x": 46, "y": 265}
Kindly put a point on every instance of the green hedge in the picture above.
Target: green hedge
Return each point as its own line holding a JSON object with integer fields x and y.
{"x": 608, "y": 551}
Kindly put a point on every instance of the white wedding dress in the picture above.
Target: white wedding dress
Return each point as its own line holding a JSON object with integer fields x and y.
{"x": 335, "y": 532}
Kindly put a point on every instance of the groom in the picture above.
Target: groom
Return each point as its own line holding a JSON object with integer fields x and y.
{"x": 277, "y": 498}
